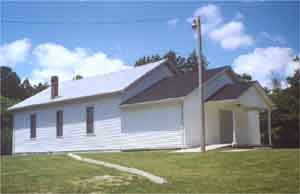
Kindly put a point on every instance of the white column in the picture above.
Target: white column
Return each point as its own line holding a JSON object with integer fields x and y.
{"x": 234, "y": 138}
{"x": 269, "y": 127}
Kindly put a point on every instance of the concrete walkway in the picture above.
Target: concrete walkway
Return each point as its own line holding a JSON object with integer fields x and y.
{"x": 239, "y": 150}
{"x": 198, "y": 149}
{"x": 149, "y": 176}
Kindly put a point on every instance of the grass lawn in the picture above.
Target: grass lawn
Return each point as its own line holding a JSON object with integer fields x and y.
{"x": 254, "y": 171}
{"x": 60, "y": 174}
{"x": 260, "y": 171}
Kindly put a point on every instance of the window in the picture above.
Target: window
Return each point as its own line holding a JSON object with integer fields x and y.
{"x": 33, "y": 126}
{"x": 90, "y": 120}
{"x": 59, "y": 123}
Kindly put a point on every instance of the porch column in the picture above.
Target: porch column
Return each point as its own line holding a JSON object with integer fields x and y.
{"x": 269, "y": 127}
{"x": 234, "y": 138}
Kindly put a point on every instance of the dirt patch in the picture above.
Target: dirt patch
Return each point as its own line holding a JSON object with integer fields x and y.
{"x": 106, "y": 181}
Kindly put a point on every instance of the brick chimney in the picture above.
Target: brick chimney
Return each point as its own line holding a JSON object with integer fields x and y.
{"x": 54, "y": 86}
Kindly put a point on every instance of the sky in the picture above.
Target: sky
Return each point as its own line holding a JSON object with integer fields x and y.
{"x": 65, "y": 38}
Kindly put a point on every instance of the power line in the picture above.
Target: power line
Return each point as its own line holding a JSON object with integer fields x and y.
{"x": 104, "y": 3}
{"x": 144, "y": 20}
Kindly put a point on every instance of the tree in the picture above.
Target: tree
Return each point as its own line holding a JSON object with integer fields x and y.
{"x": 149, "y": 59}
{"x": 182, "y": 64}
{"x": 11, "y": 84}
{"x": 27, "y": 88}
{"x": 30, "y": 90}
{"x": 285, "y": 118}
{"x": 6, "y": 124}
{"x": 77, "y": 77}
{"x": 245, "y": 77}
{"x": 12, "y": 91}
{"x": 39, "y": 87}
{"x": 12, "y": 87}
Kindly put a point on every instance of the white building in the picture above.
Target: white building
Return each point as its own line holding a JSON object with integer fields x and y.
{"x": 148, "y": 107}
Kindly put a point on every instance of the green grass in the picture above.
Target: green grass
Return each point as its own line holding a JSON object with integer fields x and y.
{"x": 58, "y": 174}
{"x": 260, "y": 171}
{"x": 272, "y": 171}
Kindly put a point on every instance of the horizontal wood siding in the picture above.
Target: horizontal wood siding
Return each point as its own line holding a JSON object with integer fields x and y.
{"x": 152, "y": 139}
{"x": 152, "y": 126}
{"x": 107, "y": 124}
{"x": 107, "y": 130}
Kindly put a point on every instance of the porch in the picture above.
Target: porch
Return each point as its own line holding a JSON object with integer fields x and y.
{"x": 232, "y": 115}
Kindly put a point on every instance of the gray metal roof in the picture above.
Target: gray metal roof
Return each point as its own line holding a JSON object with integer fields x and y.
{"x": 97, "y": 85}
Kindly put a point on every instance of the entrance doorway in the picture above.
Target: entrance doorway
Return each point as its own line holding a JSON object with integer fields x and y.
{"x": 226, "y": 126}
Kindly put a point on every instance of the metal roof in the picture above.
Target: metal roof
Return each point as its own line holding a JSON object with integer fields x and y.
{"x": 231, "y": 91}
{"x": 173, "y": 87}
{"x": 91, "y": 86}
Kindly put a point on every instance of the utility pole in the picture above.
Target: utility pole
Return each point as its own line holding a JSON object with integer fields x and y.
{"x": 196, "y": 25}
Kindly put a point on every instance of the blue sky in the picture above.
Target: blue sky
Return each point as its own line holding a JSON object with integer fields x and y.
{"x": 88, "y": 38}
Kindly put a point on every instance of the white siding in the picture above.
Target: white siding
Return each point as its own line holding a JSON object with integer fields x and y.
{"x": 248, "y": 131}
{"x": 192, "y": 119}
{"x": 107, "y": 128}
{"x": 153, "y": 140}
{"x": 247, "y": 124}
{"x": 152, "y": 126}
{"x": 156, "y": 126}
{"x": 252, "y": 98}
{"x": 212, "y": 123}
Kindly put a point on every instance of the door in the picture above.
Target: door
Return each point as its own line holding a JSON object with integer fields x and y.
{"x": 226, "y": 126}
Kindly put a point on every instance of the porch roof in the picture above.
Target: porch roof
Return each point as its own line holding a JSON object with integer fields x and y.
{"x": 231, "y": 91}
{"x": 248, "y": 94}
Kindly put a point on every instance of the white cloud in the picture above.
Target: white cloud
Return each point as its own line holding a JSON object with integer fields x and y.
{"x": 99, "y": 61}
{"x": 173, "y": 22}
{"x": 231, "y": 35}
{"x": 15, "y": 52}
{"x": 263, "y": 62}
{"x": 54, "y": 59}
{"x": 211, "y": 16}
{"x": 55, "y": 55}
